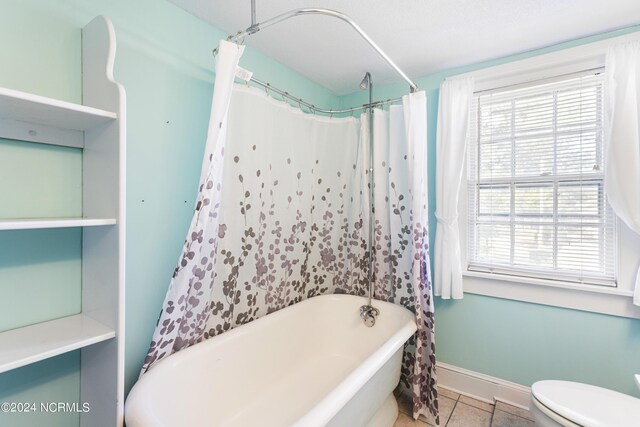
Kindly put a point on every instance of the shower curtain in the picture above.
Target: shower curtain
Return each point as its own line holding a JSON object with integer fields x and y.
{"x": 282, "y": 215}
{"x": 401, "y": 268}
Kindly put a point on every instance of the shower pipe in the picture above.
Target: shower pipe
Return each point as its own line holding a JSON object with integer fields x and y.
{"x": 368, "y": 312}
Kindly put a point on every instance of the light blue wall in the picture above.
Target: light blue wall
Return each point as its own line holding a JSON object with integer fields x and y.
{"x": 518, "y": 341}
{"x": 164, "y": 61}
{"x": 50, "y": 381}
{"x": 39, "y": 266}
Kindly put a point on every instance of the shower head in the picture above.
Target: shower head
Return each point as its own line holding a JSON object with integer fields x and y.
{"x": 366, "y": 81}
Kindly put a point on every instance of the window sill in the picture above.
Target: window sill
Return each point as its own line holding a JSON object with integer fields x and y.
{"x": 552, "y": 283}
{"x": 596, "y": 299}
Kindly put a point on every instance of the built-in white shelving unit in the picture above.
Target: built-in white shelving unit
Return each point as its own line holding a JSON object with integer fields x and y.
{"x": 35, "y": 223}
{"x": 48, "y": 111}
{"x": 35, "y": 118}
{"x": 97, "y": 126}
{"x": 34, "y": 343}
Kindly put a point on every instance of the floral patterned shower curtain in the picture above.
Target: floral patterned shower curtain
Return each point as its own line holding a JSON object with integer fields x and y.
{"x": 282, "y": 216}
{"x": 401, "y": 239}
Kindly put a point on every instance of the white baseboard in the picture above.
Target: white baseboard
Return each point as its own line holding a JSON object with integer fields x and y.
{"x": 482, "y": 387}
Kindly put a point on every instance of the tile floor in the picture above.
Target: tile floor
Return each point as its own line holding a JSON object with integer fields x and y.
{"x": 462, "y": 411}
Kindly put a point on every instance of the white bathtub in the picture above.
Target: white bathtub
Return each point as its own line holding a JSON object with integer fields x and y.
{"x": 311, "y": 364}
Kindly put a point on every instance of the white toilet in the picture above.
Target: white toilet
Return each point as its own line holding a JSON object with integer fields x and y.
{"x": 564, "y": 403}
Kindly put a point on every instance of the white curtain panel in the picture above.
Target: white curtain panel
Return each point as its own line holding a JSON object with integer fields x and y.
{"x": 454, "y": 106}
{"x": 622, "y": 161}
{"x": 198, "y": 256}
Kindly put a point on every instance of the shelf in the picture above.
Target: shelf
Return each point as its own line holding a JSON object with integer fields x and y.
{"x": 36, "y": 223}
{"x": 30, "y": 108}
{"x": 30, "y": 344}
{"x": 95, "y": 131}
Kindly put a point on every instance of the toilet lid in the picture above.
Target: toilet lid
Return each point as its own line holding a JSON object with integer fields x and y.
{"x": 587, "y": 405}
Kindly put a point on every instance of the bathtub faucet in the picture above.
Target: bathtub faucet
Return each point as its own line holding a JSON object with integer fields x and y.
{"x": 369, "y": 313}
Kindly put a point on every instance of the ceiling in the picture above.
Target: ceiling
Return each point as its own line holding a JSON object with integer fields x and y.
{"x": 421, "y": 36}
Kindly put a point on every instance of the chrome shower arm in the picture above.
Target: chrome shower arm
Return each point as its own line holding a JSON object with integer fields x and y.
{"x": 255, "y": 27}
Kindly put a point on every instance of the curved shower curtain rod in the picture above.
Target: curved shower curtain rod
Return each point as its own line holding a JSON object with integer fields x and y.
{"x": 257, "y": 26}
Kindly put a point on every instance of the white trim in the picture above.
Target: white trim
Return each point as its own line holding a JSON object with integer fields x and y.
{"x": 614, "y": 302}
{"x": 482, "y": 387}
{"x": 598, "y": 289}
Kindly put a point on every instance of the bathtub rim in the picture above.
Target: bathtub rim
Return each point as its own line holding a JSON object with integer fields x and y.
{"x": 323, "y": 411}
{"x": 333, "y": 402}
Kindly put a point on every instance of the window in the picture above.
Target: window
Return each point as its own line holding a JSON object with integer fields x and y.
{"x": 536, "y": 204}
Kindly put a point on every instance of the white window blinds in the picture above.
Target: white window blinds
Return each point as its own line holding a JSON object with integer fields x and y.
{"x": 537, "y": 206}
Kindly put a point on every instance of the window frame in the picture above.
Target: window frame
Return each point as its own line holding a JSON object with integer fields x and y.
{"x": 598, "y": 299}
{"x": 554, "y": 180}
